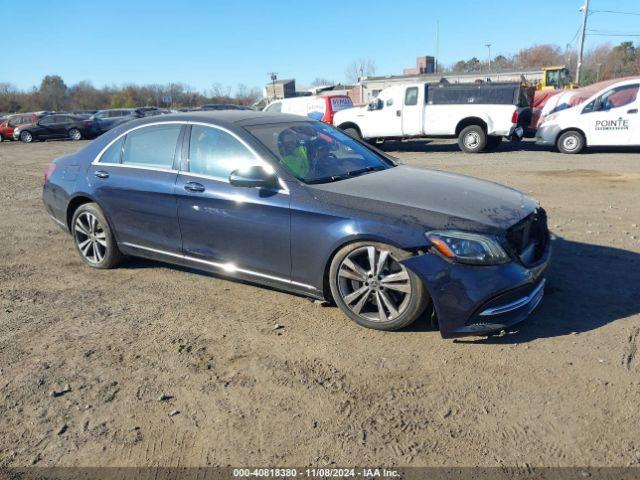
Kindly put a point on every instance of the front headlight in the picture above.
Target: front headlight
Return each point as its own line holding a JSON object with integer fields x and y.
{"x": 469, "y": 248}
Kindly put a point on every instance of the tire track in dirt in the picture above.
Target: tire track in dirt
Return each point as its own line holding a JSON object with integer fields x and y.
{"x": 630, "y": 360}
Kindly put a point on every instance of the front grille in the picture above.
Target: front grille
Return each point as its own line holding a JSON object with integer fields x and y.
{"x": 529, "y": 237}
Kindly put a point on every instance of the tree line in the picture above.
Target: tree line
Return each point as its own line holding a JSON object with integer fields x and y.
{"x": 603, "y": 62}
{"x": 53, "y": 94}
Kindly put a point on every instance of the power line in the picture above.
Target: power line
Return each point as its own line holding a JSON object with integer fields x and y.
{"x": 616, "y": 12}
{"x": 614, "y": 34}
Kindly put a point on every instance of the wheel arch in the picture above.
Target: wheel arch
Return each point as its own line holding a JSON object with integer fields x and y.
{"x": 74, "y": 203}
{"x": 350, "y": 124}
{"x": 468, "y": 121}
{"x": 326, "y": 288}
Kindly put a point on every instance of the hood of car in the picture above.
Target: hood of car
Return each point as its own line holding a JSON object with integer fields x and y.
{"x": 431, "y": 199}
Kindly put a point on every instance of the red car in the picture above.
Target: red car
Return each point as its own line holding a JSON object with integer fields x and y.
{"x": 10, "y": 123}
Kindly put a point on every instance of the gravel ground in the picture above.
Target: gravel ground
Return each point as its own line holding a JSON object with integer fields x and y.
{"x": 150, "y": 364}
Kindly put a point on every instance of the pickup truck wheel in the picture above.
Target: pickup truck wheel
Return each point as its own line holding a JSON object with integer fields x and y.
{"x": 472, "y": 139}
{"x": 353, "y": 133}
{"x": 493, "y": 142}
{"x": 570, "y": 142}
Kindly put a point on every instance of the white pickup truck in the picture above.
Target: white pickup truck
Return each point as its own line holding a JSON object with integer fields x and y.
{"x": 479, "y": 115}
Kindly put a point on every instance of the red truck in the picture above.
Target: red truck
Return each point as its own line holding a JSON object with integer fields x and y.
{"x": 10, "y": 123}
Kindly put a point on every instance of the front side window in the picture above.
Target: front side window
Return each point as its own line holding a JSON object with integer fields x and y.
{"x": 315, "y": 152}
{"x": 47, "y": 120}
{"x": 113, "y": 153}
{"x": 411, "y": 96}
{"x": 217, "y": 153}
{"x": 15, "y": 121}
{"x": 153, "y": 146}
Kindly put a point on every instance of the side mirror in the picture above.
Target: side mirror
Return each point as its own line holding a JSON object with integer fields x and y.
{"x": 375, "y": 104}
{"x": 255, "y": 176}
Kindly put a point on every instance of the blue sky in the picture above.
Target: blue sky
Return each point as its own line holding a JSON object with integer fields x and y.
{"x": 201, "y": 42}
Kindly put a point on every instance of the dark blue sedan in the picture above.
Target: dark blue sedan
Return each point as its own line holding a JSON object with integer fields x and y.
{"x": 295, "y": 204}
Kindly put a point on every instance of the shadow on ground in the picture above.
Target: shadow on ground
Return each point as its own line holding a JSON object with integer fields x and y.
{"x": 588, "y": 287}
{"x": 427, "y": 146}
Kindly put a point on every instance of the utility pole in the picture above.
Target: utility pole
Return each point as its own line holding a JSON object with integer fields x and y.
{"x": 274, "y": 77}
{"x": 488, "y": 45}
{"x": 583, "y": 30}
{"x": 435, "y": 63}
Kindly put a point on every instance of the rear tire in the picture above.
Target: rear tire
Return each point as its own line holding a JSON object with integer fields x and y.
{"x": 74, "y": 134}
{"x": 26, "y": 137}
{"x": 472, "y": 139}
{"x": 571, "y": 142}
{"x": 353, "y": 132}
{"x": 93, "y": 238}
{"x": 374, "y": 289}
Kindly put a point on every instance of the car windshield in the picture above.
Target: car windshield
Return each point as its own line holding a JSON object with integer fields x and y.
{"x": 315, "y": 152}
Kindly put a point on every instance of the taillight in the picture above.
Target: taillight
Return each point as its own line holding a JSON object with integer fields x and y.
{"x": 49, "y": 172}
{"x": 86, "y": 123}
{"x": 514, "y": 117}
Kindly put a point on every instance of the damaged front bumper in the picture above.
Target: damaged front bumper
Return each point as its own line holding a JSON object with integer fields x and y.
{"x": 479, "y": 300}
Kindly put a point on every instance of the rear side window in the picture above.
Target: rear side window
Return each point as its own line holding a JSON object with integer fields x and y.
{"x": 153, "y": 146}
{"x": 411, "y": 96}
{"x": 216, "y": 153}
{"x": 113, "y": 153}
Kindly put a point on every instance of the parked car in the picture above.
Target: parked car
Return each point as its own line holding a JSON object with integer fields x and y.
{"x": 298, "y": 205}
{"x": 607, "y": 118}
{"x": 479, "y": 115}
{"x": 105, "y": 120}
{"x": 55, "y": 126}
{"x": 10, "y": 123}
{"x": 318, "y": 107}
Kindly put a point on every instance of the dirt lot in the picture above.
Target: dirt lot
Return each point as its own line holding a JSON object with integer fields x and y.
{"x": 85, "y": 355}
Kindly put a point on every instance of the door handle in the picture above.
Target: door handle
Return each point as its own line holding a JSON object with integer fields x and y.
{"x": 194, "y": 187}
{"x": 398, "y": 113}
{"x": 633, "y": 110}
{"x": 101, "y": 174}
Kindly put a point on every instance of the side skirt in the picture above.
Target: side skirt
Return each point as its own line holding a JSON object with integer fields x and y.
{"x": 227, "y": 270}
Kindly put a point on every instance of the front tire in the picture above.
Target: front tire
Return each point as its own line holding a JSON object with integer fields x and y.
{"x": 74, "y": 134}
{"x": 26, "y": 137}
{"x": 571, "y": 142}
{"x": 472, "y": 139}
{"x": 93, "y": 237}
{"x": 374, "y": 289}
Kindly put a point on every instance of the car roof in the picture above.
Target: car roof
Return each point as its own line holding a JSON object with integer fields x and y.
{"x": 228, "y": 118}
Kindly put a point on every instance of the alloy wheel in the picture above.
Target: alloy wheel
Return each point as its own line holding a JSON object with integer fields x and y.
{"x": 26, "y": 137}
{"x": 374, "y": 285}
{"x": 75, "y": 134}
{"x": 90, "y": 237}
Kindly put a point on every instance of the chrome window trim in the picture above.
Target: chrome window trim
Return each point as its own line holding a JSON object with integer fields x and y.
{"x": 517, "y": 303}
{"x": 228, "y": 268}
{"x": 96, "y": 161}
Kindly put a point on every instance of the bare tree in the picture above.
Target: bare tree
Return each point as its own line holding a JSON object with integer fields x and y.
{"x": 321, "y": 82}
{"x": 363, "y": 67}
